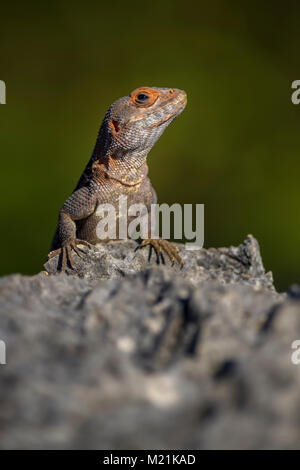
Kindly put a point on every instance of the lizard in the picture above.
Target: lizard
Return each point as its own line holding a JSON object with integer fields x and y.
{"x": 118, "y": 166}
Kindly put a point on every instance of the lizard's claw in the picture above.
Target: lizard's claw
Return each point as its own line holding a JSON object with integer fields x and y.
{"x": 65, "y": 253}
{"x": 160, "y": 245}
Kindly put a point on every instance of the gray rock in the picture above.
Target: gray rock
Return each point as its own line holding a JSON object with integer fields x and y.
{"x": 127, "y": 354}
{"x": 115, "y": 260}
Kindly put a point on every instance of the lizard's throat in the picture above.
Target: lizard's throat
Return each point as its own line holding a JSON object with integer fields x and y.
{"x": 126, "y": 171}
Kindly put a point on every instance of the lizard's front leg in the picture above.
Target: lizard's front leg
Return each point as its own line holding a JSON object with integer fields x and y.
{"x": 79, "y": 206}
{"x": 160, "y": 245}
{"x": 67, "y": 233}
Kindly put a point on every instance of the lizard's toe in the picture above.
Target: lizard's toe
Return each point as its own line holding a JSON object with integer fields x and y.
{"x": 54, "y": 253}
{"x": 65, "y": 254}
{"x": 159, "y": 246}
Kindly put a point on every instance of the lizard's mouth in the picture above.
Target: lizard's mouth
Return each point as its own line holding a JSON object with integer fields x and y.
{"x": 169, "y": 117}
{"x": 165, "y": 120}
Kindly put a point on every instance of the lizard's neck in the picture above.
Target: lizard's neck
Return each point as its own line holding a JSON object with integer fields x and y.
{"x": 129, "y": 168}
{"x": 109, "y": 160}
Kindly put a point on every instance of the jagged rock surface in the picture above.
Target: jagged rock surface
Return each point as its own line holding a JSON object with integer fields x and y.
{"x": 131, "y": 355}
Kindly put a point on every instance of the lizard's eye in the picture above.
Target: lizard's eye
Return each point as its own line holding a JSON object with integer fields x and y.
{"x": 142, "y": 98}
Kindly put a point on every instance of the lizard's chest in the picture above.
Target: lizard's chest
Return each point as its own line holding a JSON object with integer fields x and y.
{"x": 114, "y": 200}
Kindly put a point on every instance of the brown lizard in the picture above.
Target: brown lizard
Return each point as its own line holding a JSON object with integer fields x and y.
{"x": 117, "y": 167}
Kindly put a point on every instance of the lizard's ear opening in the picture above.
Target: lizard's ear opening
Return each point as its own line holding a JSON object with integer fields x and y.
{"x": 115, "y": 126}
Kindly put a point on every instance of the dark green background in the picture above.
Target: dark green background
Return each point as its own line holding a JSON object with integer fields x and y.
{"x": 235, "y": 148}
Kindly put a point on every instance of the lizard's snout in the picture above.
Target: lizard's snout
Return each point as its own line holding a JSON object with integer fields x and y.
{"x": 178, "y": 96}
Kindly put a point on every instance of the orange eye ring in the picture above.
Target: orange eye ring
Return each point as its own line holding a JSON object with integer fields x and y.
{"x": 144, "y": 97}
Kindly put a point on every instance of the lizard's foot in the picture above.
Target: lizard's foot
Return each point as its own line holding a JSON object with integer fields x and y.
{"x": 65, "y": 253}
{"x": 160, "y": 245}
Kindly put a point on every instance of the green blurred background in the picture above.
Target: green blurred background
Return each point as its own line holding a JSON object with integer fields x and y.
{"x": 235, "y": 148}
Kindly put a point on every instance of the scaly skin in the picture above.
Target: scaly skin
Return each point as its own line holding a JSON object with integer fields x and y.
{"x": 118, "y": 167}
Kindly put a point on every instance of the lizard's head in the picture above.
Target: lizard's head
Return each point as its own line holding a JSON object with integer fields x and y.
{"x": 135, "y": 122}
